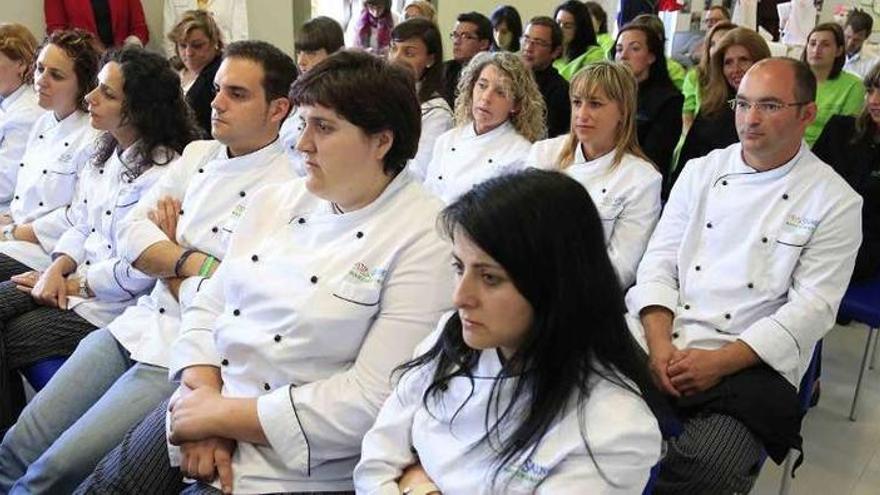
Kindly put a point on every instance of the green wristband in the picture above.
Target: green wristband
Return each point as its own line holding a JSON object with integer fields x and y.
{"x": 207, "y": 266}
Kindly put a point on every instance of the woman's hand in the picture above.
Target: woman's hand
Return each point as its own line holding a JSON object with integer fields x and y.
{"x": 196, "y": 415}
{"x": 208, "y": 459}
{"x": 412, "y": 476}
{"x": 48, "y": 288}
{"x": 165, "y": 216}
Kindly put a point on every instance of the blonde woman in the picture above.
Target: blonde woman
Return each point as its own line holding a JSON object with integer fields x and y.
{"x": 499, "y": 113}
{"x": 602, "y": 153}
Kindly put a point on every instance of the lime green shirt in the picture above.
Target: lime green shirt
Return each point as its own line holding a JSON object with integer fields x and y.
{"x": 606, "y": 42}
{"x": 568, "y": 69}
{"x": 844, "y": 95}
{"x": 676, "y": 72}
{"x": 691, "y": 91}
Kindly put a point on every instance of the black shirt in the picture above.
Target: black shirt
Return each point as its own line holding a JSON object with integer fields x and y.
{"x": 101, "y": 9}
{"x": 707, "y": 133}
{"x": 451, "y": 74}
{"x": 554, "y": 89}
{"x": 658, "y": 122}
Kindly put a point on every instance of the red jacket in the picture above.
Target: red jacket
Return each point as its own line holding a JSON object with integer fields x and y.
{"x": 126, "y": 18}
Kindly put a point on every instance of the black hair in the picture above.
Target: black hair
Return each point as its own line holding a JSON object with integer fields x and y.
{"x": 658, "y": 73}
{"x": 279, "y": 70}
{"x": 340, "y": 82}
{"x": 584, "y": 34}
{"x": 508, "y": 15}
{"x": 153, "y": 104}
{"x": 549, "y": 23}
{"x": 544, "y": 230}
{"x": 319, "y": 33}
{"x": 484, "y": 26}
{"x": 425, "y": 30}
{"x": 79, "y": 45}
{"x": 599, "y": 13}
{"x": 839, "y": 40}
{"x": 860, "y": 21}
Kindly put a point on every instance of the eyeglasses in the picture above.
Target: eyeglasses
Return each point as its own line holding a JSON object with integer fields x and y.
{"x": 464, "y": 36}
{"x": 762, "y": 107}
{"x": 525, "y": 40}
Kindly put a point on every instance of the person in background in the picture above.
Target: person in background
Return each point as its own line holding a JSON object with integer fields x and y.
{"x": 472, "y": 34}
{"x": 499, "y": 113}
{"x": 858, "y": 28}
{"x": 198, "y": 45}
{"x": 658, "y": 119}
{"x": 602, "y": 153}
{"x": 229, "y": 15}
{"x": 420, "y": 8}
{"x": 579, "y": 45}
{"x": 542, "y": 43}
{"x": 19, "y": 108}
{"x": 371, "y": 30}
{"x": 317, "y": 39}
{"x": 112, "y": 22}
{"x": 600, "y": 26}
{"x": 839, "y": 92}
{"x": 145, "y": 124}
{"x": 693, "y": 51}
{"x": 849, "y": 145}
{"x": 698, "y": 77}
{"x": 417, "y": 43}
{"x": 676, "y": 70}
{"x": 506, "y": 28}
{"x": 532, "y": 385}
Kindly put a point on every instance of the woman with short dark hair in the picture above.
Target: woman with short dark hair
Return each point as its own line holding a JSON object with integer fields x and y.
{"x": 534, "y": 384}
{"x": 507, "y": 28}
{"x": 328, "y": 284}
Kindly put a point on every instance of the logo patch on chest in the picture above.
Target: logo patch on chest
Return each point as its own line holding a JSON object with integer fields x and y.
{"x": 361, "y": 273}
{"x": 801, "y": 222}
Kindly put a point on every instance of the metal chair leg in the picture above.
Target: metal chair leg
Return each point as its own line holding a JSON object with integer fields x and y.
{"x": 855, "y": 402}
{"x": 874, "y": 351}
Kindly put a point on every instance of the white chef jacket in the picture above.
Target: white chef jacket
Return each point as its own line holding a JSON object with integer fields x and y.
{"x": 627, "y": 197}
{"x": 621, "y": 431}
{"x": 18, "y": 113}
{"x": 861, "y": 63}
{"x": 762, "y": 257}
{"x": 436, "y": 119}
{"x": 289, "y": 135}
{"x": 230, "y": 15}
{"x": 210, "y": 186}
{"x": 107, "y": 197}
{"x": 46, "y": 183}
{"x": 462, "y": 159}
{"x": 310, "y": 312}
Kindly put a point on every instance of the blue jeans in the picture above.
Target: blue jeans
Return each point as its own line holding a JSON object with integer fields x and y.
{"x": 81, "y": 414}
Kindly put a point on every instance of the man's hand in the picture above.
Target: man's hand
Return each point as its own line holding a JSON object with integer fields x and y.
{"x": 696, "y": 370}
{"x": 208, "y": 459}
{"x": 662, "y": 353}
{"x": 165, "y": 216}
{"x": 196, "y": 415}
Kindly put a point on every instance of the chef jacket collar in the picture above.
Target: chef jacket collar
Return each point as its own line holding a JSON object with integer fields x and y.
{"x": 224, "y": 164}
{"x": 69, "y": 123}
{"x": 7, "y": 102}
{"x": 740, "y": 170}
{"x": 470, "y": 131}
{"x": 325, "y": 212}
{"x": 596, "y": 166}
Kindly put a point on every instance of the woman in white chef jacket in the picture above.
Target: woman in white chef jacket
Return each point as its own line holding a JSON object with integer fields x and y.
{"x": 533, "y": 385}
{"x": 418, "y": 44}
{"x": 499, "y": 113}
{"x": 145, "y": 124}
{"x": 18, "y": 102}
{"x": 59, "y": 144}
{"x": 602, "y": 153}
{"x": 325, "y": 288}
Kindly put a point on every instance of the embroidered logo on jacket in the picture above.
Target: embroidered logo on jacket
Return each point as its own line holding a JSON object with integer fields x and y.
{"x": 800, "y": 222}
{"x": 528, "y": 471}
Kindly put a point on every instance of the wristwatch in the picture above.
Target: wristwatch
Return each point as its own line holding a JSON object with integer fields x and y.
{"x": 421, "y": 489}
{"x": 9, "y": 232}
{"x": 84, "y": 287}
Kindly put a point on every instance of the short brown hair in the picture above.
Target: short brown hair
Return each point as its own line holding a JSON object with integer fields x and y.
{"x": 19, "y": 45}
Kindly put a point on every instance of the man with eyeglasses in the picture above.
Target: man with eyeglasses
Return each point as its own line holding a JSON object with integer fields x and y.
{"x": 742, "y": 277}
{"x": 541, "y": 45}
{"x": 472, "y": 35}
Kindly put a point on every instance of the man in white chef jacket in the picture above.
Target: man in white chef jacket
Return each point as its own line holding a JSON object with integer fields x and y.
{"x": 742, "y": 276}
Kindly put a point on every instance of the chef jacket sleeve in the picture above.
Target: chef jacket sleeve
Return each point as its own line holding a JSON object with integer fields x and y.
{"x": 195, "y": 345}
{"x": 818, "y": 283}
{"x": 633, "y": 229}
{"x": 327, "y": 419}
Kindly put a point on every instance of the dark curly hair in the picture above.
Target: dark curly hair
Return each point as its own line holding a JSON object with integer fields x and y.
{"x": 153, "y": 104}
{"x": 79, "y": 45}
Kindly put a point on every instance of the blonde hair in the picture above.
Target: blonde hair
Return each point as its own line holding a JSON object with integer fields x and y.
{"x": 196, "y": 19}
{"x": 530, "y": 117}
{"x": 425, "y": 8}
{"x": 19, "y": 45}
{"x": 715, "y": 95}
{"x": 617, "y": 81}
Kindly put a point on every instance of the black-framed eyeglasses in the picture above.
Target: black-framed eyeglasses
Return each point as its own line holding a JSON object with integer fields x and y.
{"x": 525, "y": 40}
{"x": 762, "y": 107}
{"x": 464, "y": 36}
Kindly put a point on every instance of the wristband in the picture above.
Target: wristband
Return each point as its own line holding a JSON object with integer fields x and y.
{"x": 180, "y": 261}
{"x": 207, "y": 266}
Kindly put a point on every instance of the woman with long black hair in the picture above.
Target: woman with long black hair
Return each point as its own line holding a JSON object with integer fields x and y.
{"x": 579, "y": 45}
{"x": 533, "y": 384}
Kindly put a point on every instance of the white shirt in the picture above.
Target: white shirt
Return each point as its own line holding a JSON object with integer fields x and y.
{"x": 289, "y": 135}
{"x": 620, "y": 429}
{"x": 46, "y": 183}
{"x": 463, "y": 159}
{"x": 436, "y": 119}
{"x": 107, "y": 198}
{"x": 763, "y": 257}
{"x": 211, "y": 186}
{"x": 861, "y": 63}
{"x": 18, "y": 113}
{"x": 310, "y": 312}
{"x": 230, "y": 15}
{"x": 627, "y": 197}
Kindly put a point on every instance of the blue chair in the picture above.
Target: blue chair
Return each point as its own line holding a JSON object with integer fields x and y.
{"x": 861, "y": 303}
{"x": 39, "y": 373}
